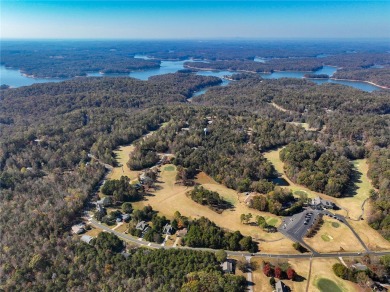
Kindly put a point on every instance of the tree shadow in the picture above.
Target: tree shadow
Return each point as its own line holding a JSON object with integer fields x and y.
{"x": 352, "y": 188}
{"x": 280, "y": 181}
{"x": 299, "y": 278}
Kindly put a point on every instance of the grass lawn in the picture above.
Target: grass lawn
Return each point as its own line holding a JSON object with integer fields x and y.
{"x": 122, "y": 156}
{"x": 123, "y": 228}
{"x": 323, "y": 278}
{"x": 303, "y": 125}
{"x": 170, "y": 168}
{"x": 357, "y": 196}
{"x": 325, "y": 237}
{"x": 326, "y": 285}
{"x": 301, "y": 266}
{"x": 170, "y": 197}
{"x": 335, "y": 224}
{"x": 171, "y": 240}
{"x": 370, "y": 236}
{"x": 93, "y": 232}
{"x": 331, "y": 239}
{"x": 272, "y": 221}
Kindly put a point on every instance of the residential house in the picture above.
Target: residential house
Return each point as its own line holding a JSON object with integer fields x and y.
{"x": 359, "y": 267}
{"x": 105, "y": 202}
{"x": 78, "y": 228}
{"x": 249, "y": 199}
{"x": 100, "y": 209}
{"x": 86, "y": 238}
{"x": 142, "y": 225}
{"x": 125, "y": 217}
{"x": 167, "y": 229}
{"x": 227, "y": 267}
{"x": 182, "y": 232}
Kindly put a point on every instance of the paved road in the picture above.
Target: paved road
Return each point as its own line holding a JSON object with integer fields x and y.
{"x": 107, "y": 166}
{"x": 249, "y": 278}
{"x": 237, "y": 253}
{"x": 343, "y": 220}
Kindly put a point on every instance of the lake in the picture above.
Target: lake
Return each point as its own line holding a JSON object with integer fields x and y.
{"x": 14, "y": 78}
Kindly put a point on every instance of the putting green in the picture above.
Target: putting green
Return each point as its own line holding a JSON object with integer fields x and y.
{"x": 169, "y": 168}
{"x": 326, "y": 285}
{"x": 272, "y": 221}
{"x": 298, "y": 193}
{"x": 335, "y": 225}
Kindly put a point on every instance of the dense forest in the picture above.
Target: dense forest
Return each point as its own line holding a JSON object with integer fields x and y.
{"x": 380, "y": 76}
{"x": 222, "y": 144}
{"x": 321, "y": 170}
{"x": 209, "y": 198}
{"x": 68, "y": 59}
{"x": 345, "y": 116}
{"x": 279, "y": 201}
{"x": 204, "y": 233}
{"x": 46, "y": 170}
{"x": 303, "y": 64}
{"x": 101, "y": 266}
{"x": 379, "y": 172}
{"x": 48, "y": 130}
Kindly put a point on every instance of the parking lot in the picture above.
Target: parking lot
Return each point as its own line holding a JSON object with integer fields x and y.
{"x": 297, "y": 226}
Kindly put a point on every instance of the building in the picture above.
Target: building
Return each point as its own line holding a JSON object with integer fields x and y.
{"x": 359, "y": 267}
{"x": 86, "y": 238}
{"x": 167, "y": 229}
{"x": 281, "y": 287}
{"x": 182, "y": 232}
{"x": 78, "y": 229}
{"x": 319, "y": 204}
{"x": 100, "y": 210}
{"x": 142, "y": 226}
{"x": 105, "y": 202}
{"x": 227, "y": 267}
{"x": 125, "y": 217}
{"x": 249, "y": 199}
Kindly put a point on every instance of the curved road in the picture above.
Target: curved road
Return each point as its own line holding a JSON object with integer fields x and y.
{"x": 236, "y": 253}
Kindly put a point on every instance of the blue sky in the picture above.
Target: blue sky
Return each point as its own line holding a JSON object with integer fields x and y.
{"x": 194, "y": 19}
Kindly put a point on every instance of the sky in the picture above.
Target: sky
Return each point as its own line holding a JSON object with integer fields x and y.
{"x": 29, "y": 19}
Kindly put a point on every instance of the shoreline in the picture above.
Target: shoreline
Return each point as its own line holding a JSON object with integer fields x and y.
{"x": 330, "y": 77}
{"x": 365, "y": 81}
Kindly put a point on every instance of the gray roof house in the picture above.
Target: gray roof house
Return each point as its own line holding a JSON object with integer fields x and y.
{"x": 168, "y": 229}
{"x": 281, "y": 287}
{"x": 86, "y": 238}
{"x": 359, "y": 267}
{"x": 106, "y": 201}
{"x": 125, "y": 217}
{"x": 78, "y": 229}
{"x": 141, "y": 225}
{"x": 227, "y": 267}
{"x": 319, "y": 203}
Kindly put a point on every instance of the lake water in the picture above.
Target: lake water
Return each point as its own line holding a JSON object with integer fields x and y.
{"x": 328, "y": 70}
{"x": 259, "y": 59}
{"x": 15, "y": 79}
